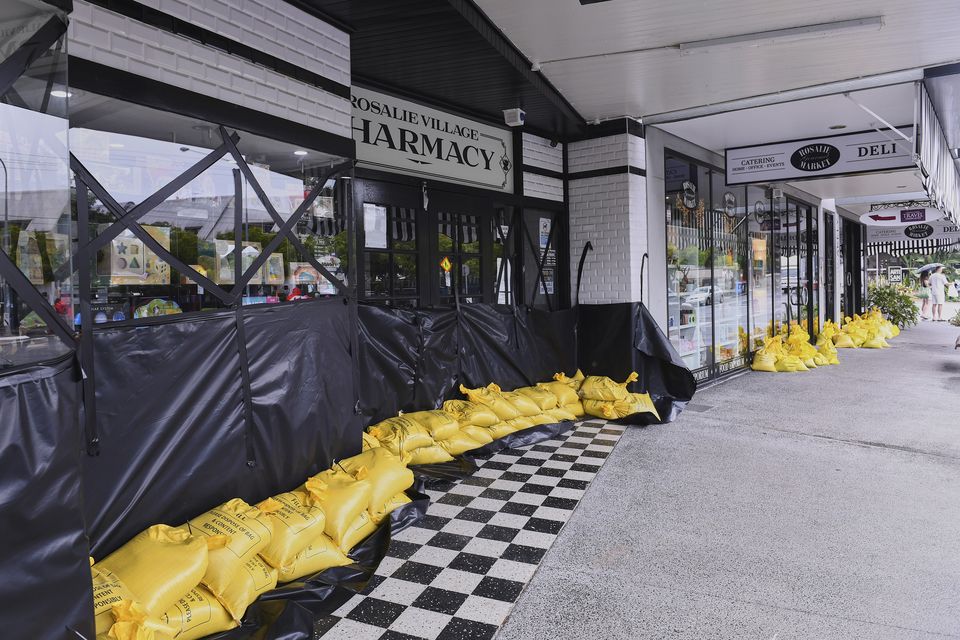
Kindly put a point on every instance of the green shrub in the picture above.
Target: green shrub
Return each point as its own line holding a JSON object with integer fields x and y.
{"x": 955, "y": 320}
{"x": 896, "y": 302}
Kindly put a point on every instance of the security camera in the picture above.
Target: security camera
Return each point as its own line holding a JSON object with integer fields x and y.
{"x": 514, "y": 117}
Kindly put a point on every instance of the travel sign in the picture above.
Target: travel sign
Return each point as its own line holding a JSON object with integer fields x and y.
{"x": 900, "y": 217}
{"x": 812, "y": 158}
{"x": 404, "y": 137}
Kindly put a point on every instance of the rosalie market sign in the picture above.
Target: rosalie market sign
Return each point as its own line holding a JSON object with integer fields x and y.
{"x": 813, "y": 158}
{"x": 404, "y": 137}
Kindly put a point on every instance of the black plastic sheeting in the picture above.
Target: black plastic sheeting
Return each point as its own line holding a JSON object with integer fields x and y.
{"x": 616, "y": 339}
{"x": 170, "y": 413}
{"x": 418, "y": 359}
{"x": 45, "y": 591}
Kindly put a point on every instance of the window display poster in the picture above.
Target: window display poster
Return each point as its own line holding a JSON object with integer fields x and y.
{"x": 29, "y": 260}
{"x": 128, "y": 261}
{"x": 272, "y": 271}
{"x": 332, "y": 264}
{"x": 226, "y": 261}
{"x": 545, "y": 226}
{"x": 303, "y": 273}
{"x": 374, "y": 226}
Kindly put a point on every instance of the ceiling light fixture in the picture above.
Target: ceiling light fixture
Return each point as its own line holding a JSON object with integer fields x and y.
{"x": 61, "y": 93}
{"x": 299, "y": 152}
{"x": 835, "y": 127}
{"x": 781, "y": 36}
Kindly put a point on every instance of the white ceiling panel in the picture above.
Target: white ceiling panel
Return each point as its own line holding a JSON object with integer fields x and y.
{"x": 915, "y": 34}
{"x": 800, "y": 119}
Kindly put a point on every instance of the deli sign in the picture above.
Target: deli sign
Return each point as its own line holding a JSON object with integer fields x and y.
{"x": 404, "y": 137}
{"x": 813, "y": 158}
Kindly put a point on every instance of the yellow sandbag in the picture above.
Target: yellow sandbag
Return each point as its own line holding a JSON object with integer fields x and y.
{"x": 440, "y": 424}
{"x": 390, "y": 506}
{"x": 198, "y": 614}
{"x": 843, "y": 341}
{"x": 388, "y": 475}
{"x": 543, "y": 398}
{"x": 358, "y": 531}
{"x": 790, "y": 364}
{"x": 561, "y": 414}
{"x": 108, "y": 590}
{"x": 564, "y": 393}
{"x": 518, "y": 424}
{"x": 574, "y": 382}
{"x": 821, "y": 360}
{"x": 296, "y": 523}
{"x": 471, "y": 413}
{"x": 321, "y": 554}
{"x": 576, "y": 408}
{"x": 600, "y": 409}
{"x": 342, "y": 497}
{"x": 133, "y": 623}
{"x": 490, "y": 396}
{"x": 459, "y": 443}
{"x": 478, "y": 433}
{"x": 400, "y": 434}
{"x": 603, "y": 388}
{"x": 369, "y": 442}
{"x": 526, "y": 406}
{"x": 635, "y": 403}
{"x": 875, "y": 343}
{"x": 764, "y": 362}
{"x": 255, "y": 578}
{"x": 542, "y": 418}
{"x": 501, "y": 429}
{"x": 809, "y": 362}
{"x": 430, "y": 455}
{"x": 159, "y": 565}
{"x": 249, "y": 529}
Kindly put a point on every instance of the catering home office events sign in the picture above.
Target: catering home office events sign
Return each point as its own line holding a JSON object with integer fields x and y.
{"x": 404, "y": 137}
{"x": 812, "y": 158}
{"x": 941, "y": 229}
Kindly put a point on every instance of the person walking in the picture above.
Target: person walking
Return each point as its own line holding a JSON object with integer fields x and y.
{"x": 923, "y": 294}
{"x": 938, "y": 293}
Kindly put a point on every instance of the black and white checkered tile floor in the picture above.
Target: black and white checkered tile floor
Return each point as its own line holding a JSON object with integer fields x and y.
{"x": 456, "y": 574}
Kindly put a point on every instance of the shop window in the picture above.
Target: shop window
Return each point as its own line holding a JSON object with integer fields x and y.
{"x": 761, "y": 222}
{"x": 729, "y": 284}
{"x": 505, "y": 254}
{"x": 214, "y": 217}
{"x": 458, "y": 240}
{"x": 541, "y": 233}
{"x": 390, "y": 254}
{"x": 37, "y": 283}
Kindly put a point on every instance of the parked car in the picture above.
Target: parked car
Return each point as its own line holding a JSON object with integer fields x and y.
{"x": 705, "y": 295}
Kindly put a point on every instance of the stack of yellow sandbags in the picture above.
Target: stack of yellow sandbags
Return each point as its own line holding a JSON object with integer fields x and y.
{"x": 567, "y": 391}
{"x": 604, "y": 398}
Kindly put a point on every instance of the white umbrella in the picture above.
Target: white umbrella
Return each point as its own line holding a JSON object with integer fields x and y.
{"x": 929, "y": 267}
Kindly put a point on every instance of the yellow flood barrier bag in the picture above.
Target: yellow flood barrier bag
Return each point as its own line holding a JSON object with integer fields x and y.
{"x": 361, "y": 527}
{"x": 542, "y": 418}
{"x": 764, "y": 362}
{"x": 391, "y": 505}
{"x": 518, "y": 424}
{"x": 133, "y": 623}
{"x": 439, "y": 424}
{"x": 478, "y": 433}
{"x": 387, "y": 474}
{"x": 561, "y": 414}
{"x": 574, "y": 383}
{"x": 158, "y": 565}
{"x": 319, "y": 555}
{"x": 790, "y": 364}
{"x": 430, "y": 455}
{"x": 198, "y": 614}
{"x": 108, "y": 590}
{"x": 369, "y": 442}
{"x": 564, "y": 393}
{"x": 501, "y": 429}
{"x": 471, "y": 413}
{"x": 599, "y": 409}
{"x": 342, "y": 497}
{"x": 576, "y": 408}
{"x": 543, "y": 398}
{"x": 490, "y": 396}
{"x": 460, "y": 443}
{"x": 400, "y": 434}
{"x": 297, "y": 522}
{"x": 523, "y": 404}
{"x": 255, "y": 577}
{"x": 248, "y": 529}
{"x": 843, "y": 341}
{"x": 603, "y": 388}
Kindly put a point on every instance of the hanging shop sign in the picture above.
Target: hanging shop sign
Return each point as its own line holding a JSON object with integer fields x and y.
{"x": 405, "y": 137}
{"x": 900, "y": 217}
{"x": 941, "y": 229}
{"x": 812, "y": 158}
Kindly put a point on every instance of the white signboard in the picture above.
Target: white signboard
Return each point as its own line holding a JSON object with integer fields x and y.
{"x": 894, "y": 275}
{"x": 405, "y": 137}
{"x": 937, "y": 230}
{"x": 900, "y": 217}
{"x": 816, "y": 157}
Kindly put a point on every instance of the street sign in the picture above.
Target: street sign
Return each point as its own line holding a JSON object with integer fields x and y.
{"x": 900, "y": 217}
{"x": 445, "y": 264}
{"x": 894, "y": 275}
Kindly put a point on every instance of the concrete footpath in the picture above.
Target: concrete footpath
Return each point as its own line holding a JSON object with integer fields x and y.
{"x": 821, "y": 505}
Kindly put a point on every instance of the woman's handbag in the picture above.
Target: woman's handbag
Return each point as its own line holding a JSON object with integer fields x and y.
{"x": 923, "y": 293}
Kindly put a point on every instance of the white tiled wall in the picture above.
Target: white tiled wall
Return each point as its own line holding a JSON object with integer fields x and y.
{"x": 537, "y": 186}
{"x": 610, "y": 212}
{"x": 114, "y": 40}
{"x": 537, "y": 152}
